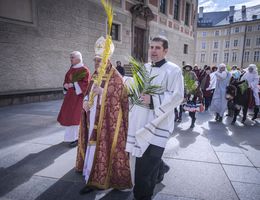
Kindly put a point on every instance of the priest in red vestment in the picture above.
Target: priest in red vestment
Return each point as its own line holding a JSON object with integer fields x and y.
{"x": 75, "y": 85}
{"x": 101, "y": 155}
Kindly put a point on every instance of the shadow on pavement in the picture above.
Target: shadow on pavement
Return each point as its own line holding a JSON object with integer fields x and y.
{"x": 23, "y": 170}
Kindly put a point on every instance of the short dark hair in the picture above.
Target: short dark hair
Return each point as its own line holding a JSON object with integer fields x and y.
{"x": 162, "y": 39}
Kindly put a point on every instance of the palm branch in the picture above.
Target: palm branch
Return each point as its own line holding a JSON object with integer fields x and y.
{"x": 228, "y": 68}
{"x": 258, "y": 68}
{"x": 105, "y": 55}
{"x": 79, "y": 75}
{"x": 142, "y": 83}
{"x": 243, "y": 87}
{"x": 189, "y": 83}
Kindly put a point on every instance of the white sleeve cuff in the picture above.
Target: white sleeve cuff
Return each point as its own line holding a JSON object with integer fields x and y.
{"x": 100, "y": 99}
{"x": 77, "y": 88}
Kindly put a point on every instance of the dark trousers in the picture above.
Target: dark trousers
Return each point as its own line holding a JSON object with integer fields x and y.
{"x": 147, "y": 169}
{"x": 192, "y": 115}
{"x": 207, "y": 101}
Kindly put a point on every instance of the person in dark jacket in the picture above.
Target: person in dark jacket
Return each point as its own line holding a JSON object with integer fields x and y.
{"x": 119, "y": 68}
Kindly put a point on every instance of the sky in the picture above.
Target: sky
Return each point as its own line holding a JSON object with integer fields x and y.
{"x": 223, "y": 5}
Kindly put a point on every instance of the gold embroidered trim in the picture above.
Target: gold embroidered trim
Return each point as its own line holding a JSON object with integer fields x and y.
{"x": 92, "y": 142}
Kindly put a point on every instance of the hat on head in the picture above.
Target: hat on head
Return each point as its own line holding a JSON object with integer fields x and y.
{"x": 187, "y": 66}
{"x": 207, "y": 68}
{"x": 100, "y": 47}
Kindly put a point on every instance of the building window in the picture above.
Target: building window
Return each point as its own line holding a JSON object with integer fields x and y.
{"x": 228, "y": 31}
{"x": 115, "y": 32}
{"x": 234, "y": 56}
{"x": 237, "y": 30}
{"x": 17, "y": 11}
{"x": 215, "y": 58}
{"x": 249, "y": 29}
{"x": 187, "y": 14}
{"x": 202, "y": 57}
{"x": 247, "y": 42}
{"x": 257, "y": 41}
{"x": 256, "y": 56}
{"x": 203, "y": 45}
{"x": 163, "y": 6}
{"x": 185, "y": 49}
{"x": 258, "y": 27}
{"x": 216, "y": 33}
{"x": 204, "y": 34}
{"x": 215, "y": 45}
{"x": 235, "y": 43}
{"x": 227, "y": 44}
{"x": 226, "y": 55}
{"x": 176, "y": 9}
{"x": 246, "y": 56}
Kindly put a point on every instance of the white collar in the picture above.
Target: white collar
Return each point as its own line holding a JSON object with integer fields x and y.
{"x": 78, "y": 65}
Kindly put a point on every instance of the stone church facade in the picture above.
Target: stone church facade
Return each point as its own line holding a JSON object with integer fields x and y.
{"x": 36, "y": 37}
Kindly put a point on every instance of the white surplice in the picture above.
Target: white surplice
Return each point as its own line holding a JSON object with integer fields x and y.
{"x": 147, "y": 126}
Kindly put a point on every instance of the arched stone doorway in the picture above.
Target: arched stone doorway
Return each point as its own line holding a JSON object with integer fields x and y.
{"x": 141, "y": 15}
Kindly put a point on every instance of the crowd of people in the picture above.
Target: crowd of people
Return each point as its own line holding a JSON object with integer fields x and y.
{"x": 120, "y": 145}
{"x": 211, "y": 90}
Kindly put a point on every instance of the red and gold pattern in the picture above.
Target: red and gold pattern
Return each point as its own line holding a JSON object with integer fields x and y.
{"x": 111, "y": 162}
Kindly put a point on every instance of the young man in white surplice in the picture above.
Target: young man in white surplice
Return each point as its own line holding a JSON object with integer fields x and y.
{"x": 150, "y": 128}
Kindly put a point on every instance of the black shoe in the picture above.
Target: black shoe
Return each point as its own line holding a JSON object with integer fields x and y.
{"x": 179, "y": 120}
{"x": 74, "y": 143}
{"x": 86, "y": 190}
{"x": 192, "y": 125}
{"x": 256, "y": 110}
{"x": 217, "y": 117}
{"x": 220, "y": 119}
{"x": 160, "y": 177}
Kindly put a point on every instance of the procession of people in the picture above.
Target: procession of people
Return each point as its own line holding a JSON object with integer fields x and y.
{"x": 120, "y": 142}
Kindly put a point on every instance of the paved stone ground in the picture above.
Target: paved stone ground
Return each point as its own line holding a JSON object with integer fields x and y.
{"x": 214, "y": 161}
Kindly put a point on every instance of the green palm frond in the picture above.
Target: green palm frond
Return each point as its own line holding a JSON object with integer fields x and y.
{"x": 79, "y": 75}
{"x": 189, "y": 83}
{"x": 243, "y": 87}
{"x": 258, "y": 67}
{"x": 142, "y": 82}
{"x": 228, "y": 67}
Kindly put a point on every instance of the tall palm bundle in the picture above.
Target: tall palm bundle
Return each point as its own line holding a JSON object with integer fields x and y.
{"x": 105, "y": 55}
{"x": 189, "y": 83}
{"x": 142, "y": 83}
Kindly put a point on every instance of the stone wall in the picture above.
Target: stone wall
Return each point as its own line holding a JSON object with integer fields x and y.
{"x": 37, "y": 57}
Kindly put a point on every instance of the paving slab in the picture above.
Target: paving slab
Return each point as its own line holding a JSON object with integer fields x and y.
{"x": 162, "y": 196}
{"x": 197, "y": 180}
{"x": 60, "y": 166}
{"x": 190, "y": 146}
{"x": 247, "y": 191}
{"x": 233, "y": 159}
{"x": 242, "y": 174}
{"x": 253, "y": 153}
{"x": 30, "y": 189}
{"x": 11, "y": 155}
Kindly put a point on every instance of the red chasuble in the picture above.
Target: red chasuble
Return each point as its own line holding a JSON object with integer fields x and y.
{"x": 70, "y": 111}
{"x": 110, "y": 167}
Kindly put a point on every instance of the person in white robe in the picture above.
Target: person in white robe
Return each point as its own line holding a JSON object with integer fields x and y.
{"x": 150, "y": 128}
{"x": 252, "y": 77}
{"x": 219, "y": 102}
